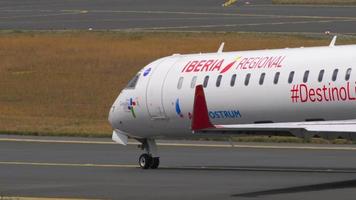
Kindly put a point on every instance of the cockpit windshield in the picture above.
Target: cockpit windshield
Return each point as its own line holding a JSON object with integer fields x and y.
{"x": 132, "y": 83}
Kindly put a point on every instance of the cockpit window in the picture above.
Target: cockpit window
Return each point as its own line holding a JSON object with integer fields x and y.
{"x": 132, "y": 83}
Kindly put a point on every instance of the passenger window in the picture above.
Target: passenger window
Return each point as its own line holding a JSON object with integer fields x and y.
{"x": 233, "y": 80}
{"x": 348, "y": 74}
{"x": 291, "y": 76}
{"x": 247, "y": 79}
{"x": 180, "y": 83}
{"x": 218, "y": 81}
{"x": 262, "y": 78}
{"x": 321, "y": 75}
{"x": 206, "y": 80}
{"x": 305, "y": 77}
{"x": 335, "y": 74}
{"x": 194, "y": 80}
{"x": 276, "y": 77}
{"x": 132, "y": 83}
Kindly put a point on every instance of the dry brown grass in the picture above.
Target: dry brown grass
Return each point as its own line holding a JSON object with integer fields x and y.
{"x": 61, "y": 83}
{"x": 339, "y": 2}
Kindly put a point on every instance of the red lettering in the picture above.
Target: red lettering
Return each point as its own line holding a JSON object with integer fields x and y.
{"x": 312, "y": 95}
{"x": 318, "y": 93}
{"x": 242, "y": 63}
{"x": 348, "y": 92}
{"x": 343, "y": 93}
{"x": 186, "y": 66}
{"x": 269, "y": 62}
{"x": 247, "y": 64}
{"x": 276, "y": 61}
{"x": 200, "y": 64}
{"x": 212, "y": 66}
{"x": 207, "y": 65}
{"x": 335, "y": 92}
{"x": 191, "y": 67}
{"x": 217, "y": 66}
{"x": 303, "y": 96}
{"x": 279, "y": 64}
{"x": 262, "y": 62}
{"x": 254, "y": 63}
{"x": 324, "y": 92}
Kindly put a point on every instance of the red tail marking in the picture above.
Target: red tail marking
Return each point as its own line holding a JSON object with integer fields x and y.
{"x": 200, "y": 119}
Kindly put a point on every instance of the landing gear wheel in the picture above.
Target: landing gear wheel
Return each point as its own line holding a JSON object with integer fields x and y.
{"x": 145, "y": 161}
{"x": 155, "y": 163}
{"x": 149, "y": 159}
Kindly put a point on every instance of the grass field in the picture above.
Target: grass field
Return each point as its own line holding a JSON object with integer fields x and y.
{"x": 65, "y": 82}
{"x": 337, "y": 2}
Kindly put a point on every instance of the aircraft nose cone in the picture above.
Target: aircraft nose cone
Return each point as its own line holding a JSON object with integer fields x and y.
{"x": 111, "y": 117}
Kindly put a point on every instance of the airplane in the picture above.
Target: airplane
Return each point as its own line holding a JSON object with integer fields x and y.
{"x": 304, "y": 92}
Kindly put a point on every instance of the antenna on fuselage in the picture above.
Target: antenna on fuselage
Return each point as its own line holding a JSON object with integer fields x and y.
{"x": 221, "y": 48}
{"x": 333, "y": 41}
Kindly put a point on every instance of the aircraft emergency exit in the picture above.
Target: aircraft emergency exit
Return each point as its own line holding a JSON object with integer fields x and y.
{"x": 301, "y": 91}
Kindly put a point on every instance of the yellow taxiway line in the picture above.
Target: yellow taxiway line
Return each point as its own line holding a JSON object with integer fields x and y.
{"x": 175, "y": 144}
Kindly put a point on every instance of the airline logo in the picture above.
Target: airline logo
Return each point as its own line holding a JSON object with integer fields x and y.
{"x": 131, "y": 107}
{"x": 241, "y": 63}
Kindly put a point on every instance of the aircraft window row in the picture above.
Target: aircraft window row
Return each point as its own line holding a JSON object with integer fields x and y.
{"x": 233, "y": 80}
{"x": 321, "y": 75}
{"x": 180, "y": 82}
{"x": 335, "y": 74}
{"x": 305, "y": 77}
{"x": 348, "y": 74}
{"x": 194, "y": 80}
{"x": 276, "y": 78}
{"x": 206, "y": 80}
{"x": 291, "y": 76}
{"x": 247, "y": 79}
{"x": 261, "y": 80}
{"x": 218, "y": 81}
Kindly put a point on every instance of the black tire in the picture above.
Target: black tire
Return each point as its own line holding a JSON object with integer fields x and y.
{"x": 145, "y": 161}
{"x": 155, "y": 163}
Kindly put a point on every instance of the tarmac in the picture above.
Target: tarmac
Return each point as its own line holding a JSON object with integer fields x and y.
{"x": 172, "y": 15}
{"x": 45, "y": 167}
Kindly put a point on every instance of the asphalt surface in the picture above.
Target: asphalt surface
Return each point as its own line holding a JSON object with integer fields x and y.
{"x": 173, "y": 15}
{"x": 103, "y": 170}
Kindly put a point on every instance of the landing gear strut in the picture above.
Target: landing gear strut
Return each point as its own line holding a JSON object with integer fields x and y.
{"x": 150, "y": 158}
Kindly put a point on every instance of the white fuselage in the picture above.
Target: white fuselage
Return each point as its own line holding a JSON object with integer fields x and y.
{"x": 161, "y": 101}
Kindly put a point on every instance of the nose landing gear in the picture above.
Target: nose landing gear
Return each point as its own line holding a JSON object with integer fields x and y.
{"x": 150, "y": 158}
{"x": 147, "y": 161}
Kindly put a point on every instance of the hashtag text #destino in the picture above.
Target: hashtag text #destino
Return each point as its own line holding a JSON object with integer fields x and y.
{"x": 302, "y": 93}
